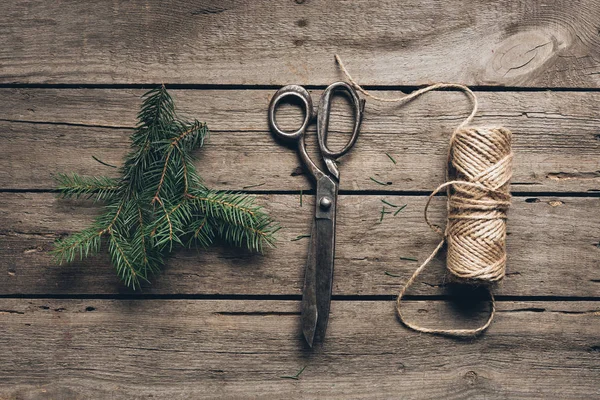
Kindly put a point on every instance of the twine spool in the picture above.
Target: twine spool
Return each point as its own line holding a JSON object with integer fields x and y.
{"x": 476, "y": 228}
{"x": 477, "y": 183}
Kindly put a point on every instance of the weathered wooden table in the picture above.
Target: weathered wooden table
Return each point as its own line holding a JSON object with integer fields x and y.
{"x": 225, "y": 324}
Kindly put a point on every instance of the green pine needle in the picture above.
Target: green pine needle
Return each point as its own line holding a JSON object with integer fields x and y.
{"x": 382, "y": 213}
{"x": 160, "y": 202}
{"x": 296, "y": 376}
{"x": 409, "y": 259}
{"x": 400, "y": 209}
{"x": 377, "y": 181}
{"x": 388, "y": 203}
{"x": 391, "y": 158}
{"x": 253, "y": 186}
{"x": 299, "y": 237}
{"x": 104, "y": 163}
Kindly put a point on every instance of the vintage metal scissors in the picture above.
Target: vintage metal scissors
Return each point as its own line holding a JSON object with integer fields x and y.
{"x": 316, "y": 295}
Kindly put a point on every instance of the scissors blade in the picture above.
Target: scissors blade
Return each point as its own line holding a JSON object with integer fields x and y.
{"x": 318, "y": 281}
{"x": 325, "y": 257}
{"x": 309, "y": 293}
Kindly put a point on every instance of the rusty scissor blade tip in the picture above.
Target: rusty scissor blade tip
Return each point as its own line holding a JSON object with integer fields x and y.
{"x": 309, "y": 325}
{"x": 310, "y": 337}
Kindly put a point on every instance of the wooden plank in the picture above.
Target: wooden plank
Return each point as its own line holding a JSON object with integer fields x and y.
{"x": 556, "y": 138}
{"x": 240, "y": 349}
{"x": 512, "y": 43}
{"x": 553, "y": 249}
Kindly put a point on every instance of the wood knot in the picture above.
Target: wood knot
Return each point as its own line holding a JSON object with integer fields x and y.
{"x": 471, "y": 377}
{"x": 520, "y": 55}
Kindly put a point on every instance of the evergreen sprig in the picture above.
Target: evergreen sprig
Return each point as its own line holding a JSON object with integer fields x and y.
{"x": 160, "y": 200}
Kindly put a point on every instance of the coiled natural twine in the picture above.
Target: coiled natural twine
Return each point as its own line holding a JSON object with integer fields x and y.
{"x": 478, "y": 202}
{"x": 477, "y": 185}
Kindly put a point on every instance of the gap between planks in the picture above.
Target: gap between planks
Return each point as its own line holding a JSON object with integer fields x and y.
{"x": 277, "y": 297}
{"x": 192, "y": 86}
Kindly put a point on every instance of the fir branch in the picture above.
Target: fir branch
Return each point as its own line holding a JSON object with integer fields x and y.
{"x": 97, "y": 187}
{"x": 123, "y": 259}
{"x": 244, "y": 235}
{"x": 87, "y": 242}
{"x": 227, "y": 206}
{"x": 162, "y": 176}
{"x": 190, "y": 136}
{"x": 83, "y": 244}
{"x": 157, "y": 112}
{"x": 140, "y": 234}
{"x": 203, "y": 233}
{"x": 169, "y": 226}
{"x": 235, "y": 218}
{"x": 160, "y": 200}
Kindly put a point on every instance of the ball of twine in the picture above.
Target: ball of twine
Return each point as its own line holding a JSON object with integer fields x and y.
{"x": 477, "y": 185}
{"x": 481, "y": 162}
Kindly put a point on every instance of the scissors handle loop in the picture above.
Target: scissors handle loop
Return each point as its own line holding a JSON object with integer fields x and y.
{"x": 323, "y": 118}
{"x": 306, "y": 101}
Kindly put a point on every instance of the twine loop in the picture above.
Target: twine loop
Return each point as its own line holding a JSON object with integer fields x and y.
{"x": 478, "y": 176}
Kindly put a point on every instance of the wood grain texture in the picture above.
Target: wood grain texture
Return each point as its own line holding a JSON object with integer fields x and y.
{"x": 556, "y": 138}
{"x": 553, "y": 249}
{"x": 239, "y": 349}
{"x": 168, "y": 345}
{"x": 519, "y": 43}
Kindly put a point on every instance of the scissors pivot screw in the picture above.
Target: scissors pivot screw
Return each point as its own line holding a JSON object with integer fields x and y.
{"x": 325, "y": 203}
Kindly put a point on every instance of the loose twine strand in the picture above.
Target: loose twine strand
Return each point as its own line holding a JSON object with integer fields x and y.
{"x": 480, "y": 159}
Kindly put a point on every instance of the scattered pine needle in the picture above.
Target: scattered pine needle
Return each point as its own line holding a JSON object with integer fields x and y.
{"x": 378, "y": 182}
{"x": 252, "y": 186}
{"x": 400, "y": 209}
{"x": 300, "y": 197}
{"x": 409, "y": 259}
{"x": 299, "y": 237}
{"x": 392, "y": 275}
{"x": 391, "y": 158}
{"x": 294, "y": 377}
{"x": 103, "y": 163}
{"x": 388, "y": 203}
{"x": 383, "y": 212}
